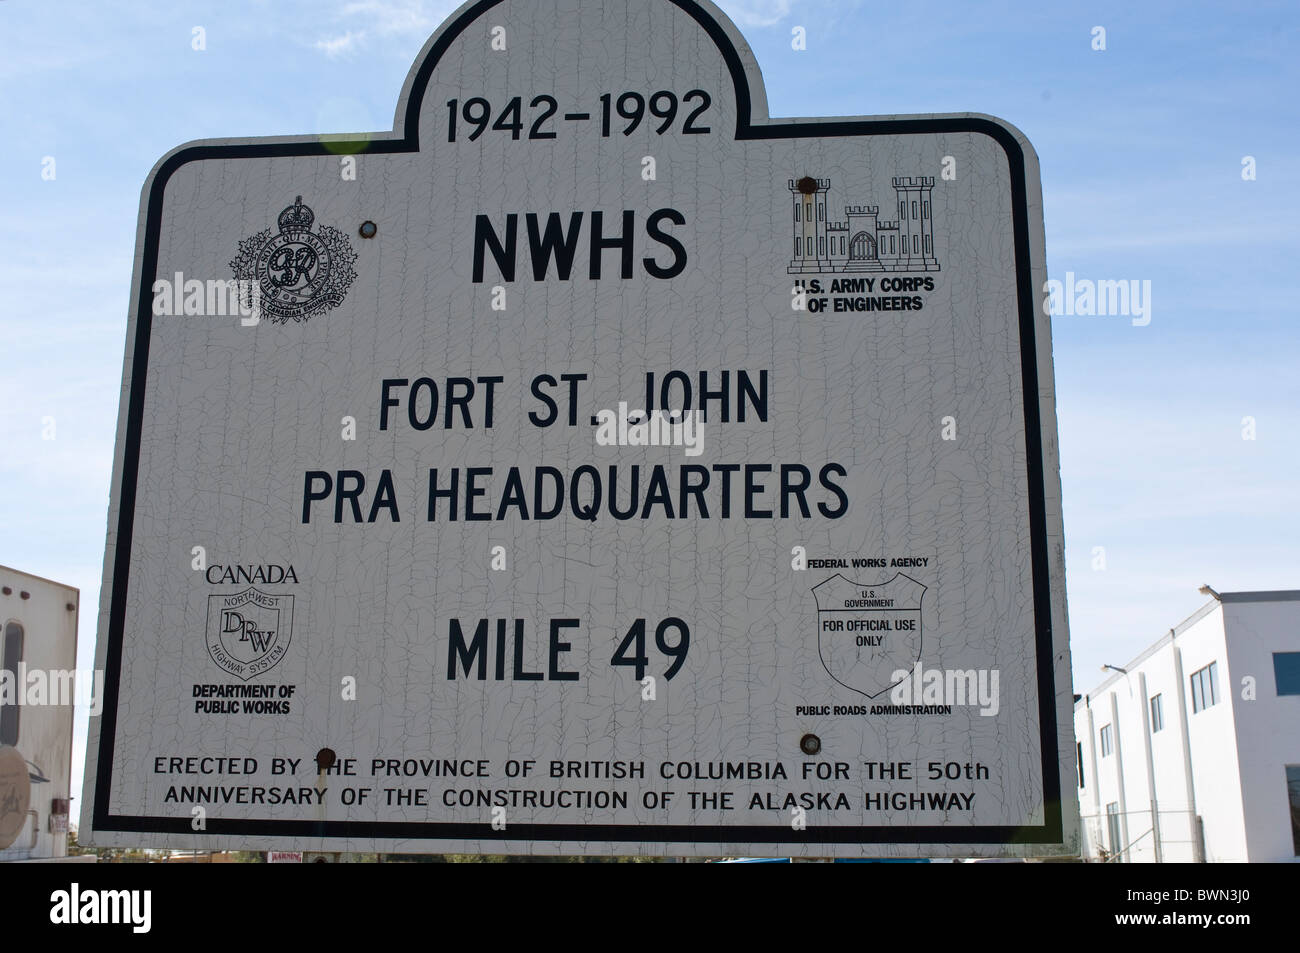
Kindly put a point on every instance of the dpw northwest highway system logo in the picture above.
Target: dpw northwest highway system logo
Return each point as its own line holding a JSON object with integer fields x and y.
{"x": 248, "y": 633}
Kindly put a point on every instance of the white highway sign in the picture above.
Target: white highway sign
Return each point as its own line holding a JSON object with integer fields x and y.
{"x": 591, "y": 464}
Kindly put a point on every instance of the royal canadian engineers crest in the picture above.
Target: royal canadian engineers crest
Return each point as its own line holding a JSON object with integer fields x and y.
{"x": 868, "y": 631}
{"x": 249, "y": 632}
{"x": 298, "y": 272}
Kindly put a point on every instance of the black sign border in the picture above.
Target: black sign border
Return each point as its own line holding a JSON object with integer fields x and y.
{"x": 1050, "y": 832}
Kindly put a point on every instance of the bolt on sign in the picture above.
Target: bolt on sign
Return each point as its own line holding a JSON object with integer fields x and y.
{"x": 591, "y": 464}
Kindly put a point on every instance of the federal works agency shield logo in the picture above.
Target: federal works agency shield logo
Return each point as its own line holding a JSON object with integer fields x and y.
{"x": 298, "y": 272}
{"x": 868, "y": 631}
{"x": 249, "y": 632}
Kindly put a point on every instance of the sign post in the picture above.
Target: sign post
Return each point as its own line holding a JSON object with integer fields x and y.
{"x": 593, "y": 464}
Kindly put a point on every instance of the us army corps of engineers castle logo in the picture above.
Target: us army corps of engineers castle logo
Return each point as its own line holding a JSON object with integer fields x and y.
{"x": 865, "y": 239}
{"x": 298, "y": 272}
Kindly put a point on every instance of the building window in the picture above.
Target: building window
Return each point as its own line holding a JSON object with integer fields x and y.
{"x": 796, "y": 211}
{"x": 1293, "y": 796}
{"x": 1078, "y": 759}
{"x": 1107, "y": 741}
{"x": 925, "y": 209}
{"x": 821, "y": 246}
{"x": 1286, "y": 672}
{"x": 893, "y": 249}
{"x": 1112, "y": 826}
{"x": 807, "y": 211}
{"x": 821, "y": 212}
{"x": 797, "y": 246}
{"x": 927, "y": 244}
{"x": 902, "y": 210}
{"x": 1157, "y": 713}
{"x": 841, "y": 245}
{"x": 11, "y": 653}
{"x": 1205, "y": 687}
{"x": 809, "y": 244}
{"x": 914, "y": 215}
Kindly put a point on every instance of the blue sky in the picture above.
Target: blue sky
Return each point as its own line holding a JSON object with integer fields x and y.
{"x": 1141, "y": 147}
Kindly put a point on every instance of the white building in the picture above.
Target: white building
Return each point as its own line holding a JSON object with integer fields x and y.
{"x": 1191, "y": 751}
{"x": 38, "y": 646}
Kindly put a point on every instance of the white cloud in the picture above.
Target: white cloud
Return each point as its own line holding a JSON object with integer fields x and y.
{"x": 340, "y": 45}
{"x": 757, "y": 12}
{"x": 364, "y": 20}
{"x": 1223, "y": 236}
{"x": 399, "y": 16}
